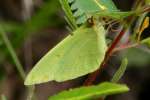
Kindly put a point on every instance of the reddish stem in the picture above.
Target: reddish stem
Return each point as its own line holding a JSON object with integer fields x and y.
{"x": 122, "y": 47}
{"x": 115, "y": 42}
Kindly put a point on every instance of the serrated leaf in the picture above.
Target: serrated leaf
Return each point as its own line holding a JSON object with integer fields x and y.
{"x": 119, "y": 73}
{"x": 75, "y": 56}
{"x": 69, "y": 15}
{"x": 91, "y": 92}
{"x": 84, "y": 7}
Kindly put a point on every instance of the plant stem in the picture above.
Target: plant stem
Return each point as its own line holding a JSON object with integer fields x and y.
{"x": 13, "y": 54}
{"x": 91, "y": 78}
{"x": 16, "y": 61}
{"x": 115, "y": 42}
{"x": 125, "y": 47}
{"x": 109, "y": 52}
{"x": 31, "y": 92}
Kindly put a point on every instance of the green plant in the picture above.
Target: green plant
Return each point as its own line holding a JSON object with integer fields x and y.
{"x": 90, "y": 92}
{"x": 85, "y": 50}
{"x": 20, "y": 31}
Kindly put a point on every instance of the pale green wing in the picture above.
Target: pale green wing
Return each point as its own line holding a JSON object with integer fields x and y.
{"x": 75, "y": 56}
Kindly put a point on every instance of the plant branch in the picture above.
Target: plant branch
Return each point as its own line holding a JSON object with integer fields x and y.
{"x": 125, "y": 47}
{"x": 91, "y": 78}
{"x": 109, "y": 52}
{"x": 31, "y": 92}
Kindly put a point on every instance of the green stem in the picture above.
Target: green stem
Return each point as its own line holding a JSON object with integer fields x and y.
{"x": 31, "y": 92}
{"x": 16, "y": 61}
{"x": 12, "y": 53}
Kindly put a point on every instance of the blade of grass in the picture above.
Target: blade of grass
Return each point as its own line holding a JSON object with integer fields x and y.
{"x": 12, "y": 53}
{"x": 19, "y": 67}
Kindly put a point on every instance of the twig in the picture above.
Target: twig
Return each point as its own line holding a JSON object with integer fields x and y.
{"x": 109, "y": 52}
{"x": 125, "y": 47}
{"x": 31, "y": 92}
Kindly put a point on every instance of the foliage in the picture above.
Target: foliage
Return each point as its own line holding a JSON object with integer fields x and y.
{"x": 85, "y": 50}
{"x": 20, "y": 31}
{"x": 91, "y": 6}
{"x": 72, "y": 54}
{"x": 141, "y": 59}
{"x": 82, "y": 52}
{"x": 69, "y": 15}
{"x": 119, "y": 73}
{"x": 91, "y": 92}
{"x": 146, "y": 41}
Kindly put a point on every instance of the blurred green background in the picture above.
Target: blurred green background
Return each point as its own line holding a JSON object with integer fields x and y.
{"x": 35, "y": 27}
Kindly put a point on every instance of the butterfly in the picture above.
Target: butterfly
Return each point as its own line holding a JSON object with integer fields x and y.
{"x": 75, "y": 56}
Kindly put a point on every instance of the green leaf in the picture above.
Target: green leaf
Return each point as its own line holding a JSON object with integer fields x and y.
{"x": 146, "y": 41}
{"x": 75, "y": 56}
{"x": 91, "y": 92}
{"x": 140, "y": 60}
{"x": 113, "y": 14}
{"x": 90, "y": 6}
{"x": 117, "y": 76}
{"x": 69, "y": 15}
